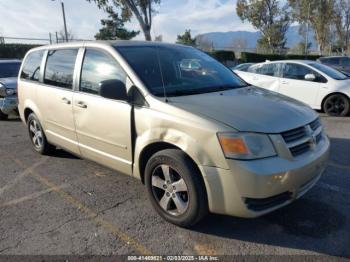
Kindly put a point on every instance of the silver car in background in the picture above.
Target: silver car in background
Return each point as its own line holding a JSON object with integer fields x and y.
{"x": 8, "y": 87}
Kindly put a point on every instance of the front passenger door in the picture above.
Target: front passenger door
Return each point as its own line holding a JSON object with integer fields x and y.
{"x": 102, "y": 125}
{"x": 296, "y": 86}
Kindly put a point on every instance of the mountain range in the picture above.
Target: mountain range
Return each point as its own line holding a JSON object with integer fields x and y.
{"x": 225, "y": 39}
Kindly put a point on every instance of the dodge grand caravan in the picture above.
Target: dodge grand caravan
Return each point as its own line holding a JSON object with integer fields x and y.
{"x": 198, "y": 137}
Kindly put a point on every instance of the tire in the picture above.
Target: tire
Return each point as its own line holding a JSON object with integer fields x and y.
{"x": 337, "y": 105}
{"x": 3, "y": 116}
{"x": 37, "y": 136}
{"x": 185, "y": 205}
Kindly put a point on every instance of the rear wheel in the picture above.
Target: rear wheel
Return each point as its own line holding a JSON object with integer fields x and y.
{"x": 336, "y": 105}
{"x": 3, "y": 116}
{"x": 175, "y": 188}
{"x": 37, "y": 136}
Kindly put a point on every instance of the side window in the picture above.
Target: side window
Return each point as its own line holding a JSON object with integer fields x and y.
{"x": 60, "y": 68}
{"x": 334, "y": 61}
{"x": 345, "y": 61}
{"x": 268, "y": 69}
{"x": 298, "y": 72}
{"x": 97, "y": 67}
{"x": 31, "y": 66}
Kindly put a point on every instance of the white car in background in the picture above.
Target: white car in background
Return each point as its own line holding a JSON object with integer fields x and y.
{"x": 319, "y": 86}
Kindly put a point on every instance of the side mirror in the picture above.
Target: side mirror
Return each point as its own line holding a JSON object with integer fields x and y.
{"x": 310, "y": 77}
{"x": 113, "y": 89}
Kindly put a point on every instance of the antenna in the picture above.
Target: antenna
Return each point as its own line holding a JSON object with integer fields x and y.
{"x": 161, "y": 74}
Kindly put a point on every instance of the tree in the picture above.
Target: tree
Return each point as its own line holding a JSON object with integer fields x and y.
{"x": 141, "y": 9}
{"x": 113, "y": 28}
{"x": 62, "y": 36}
{"x": 186, "y": 39}
{"x": 320, "y": 14}
{"x": 2, "y": 40}
{"x": 342, "y": 23}
{"x": 204, "y": 43}
{"x": 300, "y": 48}
{"x": 269, "y": 18}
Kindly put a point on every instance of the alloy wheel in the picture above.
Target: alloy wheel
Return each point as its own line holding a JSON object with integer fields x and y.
{"x": 36, "y": 134}
{"x": 170, "y": 190}
{"x": 335, "y": 105}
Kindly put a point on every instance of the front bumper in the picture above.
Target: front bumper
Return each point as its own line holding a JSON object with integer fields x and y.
{"x": 254, "y": 188}
{"x": 8, "y": 104}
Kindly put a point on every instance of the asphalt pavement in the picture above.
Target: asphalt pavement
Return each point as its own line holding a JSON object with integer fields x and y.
{"x": 63, "y": 205}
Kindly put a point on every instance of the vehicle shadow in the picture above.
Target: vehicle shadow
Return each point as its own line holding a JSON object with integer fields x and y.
{"x": 305, "y": 224}
{"x": 60, "y": 153}
{"x": 311, "y": 223}
{"x": 13, "y": 119}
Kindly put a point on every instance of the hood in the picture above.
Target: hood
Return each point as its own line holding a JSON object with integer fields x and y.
{"x": 249, "y": 109}
{"x": 10, "y": 82}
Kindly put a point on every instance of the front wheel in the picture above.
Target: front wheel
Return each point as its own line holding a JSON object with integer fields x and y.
{"x": 37, "y": 136}
{"x": 175, "y": 188}
{"x": 336, "y": 105}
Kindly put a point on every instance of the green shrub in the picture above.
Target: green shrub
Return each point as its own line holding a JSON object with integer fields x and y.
{"x": 247, "y": 57}
{"x": 223, "y": 56}
{"x": 15, "y": 50}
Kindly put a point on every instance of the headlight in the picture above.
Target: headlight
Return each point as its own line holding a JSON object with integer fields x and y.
{"x": 10, "y": 92}
{"x": 246, "y": 146}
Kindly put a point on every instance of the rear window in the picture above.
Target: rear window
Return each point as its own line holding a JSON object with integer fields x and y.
{"x": 331, "y": 61}
{"x": 335, "y": 74}
{"x": 60, "y": 68}
{"x": 9, "y": 69}
{"x": 270, "y": 69}
{"x": 31, "y": 67}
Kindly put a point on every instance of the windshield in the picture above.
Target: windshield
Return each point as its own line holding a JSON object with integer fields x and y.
{"x": 178, "y": 70}
{"x": 9, "y": 69}
{"x": 335, "y": 74}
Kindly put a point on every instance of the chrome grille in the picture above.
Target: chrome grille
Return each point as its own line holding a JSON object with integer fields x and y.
{"x": 315, "y": 124}
{"x": 300, "y": 149}
{"x": 294, "y": 134}
{"x": 301, "y": 140}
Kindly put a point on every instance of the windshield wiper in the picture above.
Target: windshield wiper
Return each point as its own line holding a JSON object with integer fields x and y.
{"x": 184, "y": 92}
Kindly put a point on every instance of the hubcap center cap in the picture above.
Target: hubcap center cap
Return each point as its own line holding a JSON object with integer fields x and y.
{"x": 170, "y": 189}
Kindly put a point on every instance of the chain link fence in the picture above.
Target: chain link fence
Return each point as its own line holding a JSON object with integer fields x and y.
{"x": 52, "y": 39}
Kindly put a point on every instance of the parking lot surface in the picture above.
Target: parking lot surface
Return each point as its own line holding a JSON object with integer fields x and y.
{"x": 63, "y": 205}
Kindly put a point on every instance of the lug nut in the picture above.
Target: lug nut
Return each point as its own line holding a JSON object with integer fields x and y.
{"x": 165, "y": 186}
{"x": 174, "y": 187}
{"x": 167, "y": 194}
{"x": 173, "y": 195}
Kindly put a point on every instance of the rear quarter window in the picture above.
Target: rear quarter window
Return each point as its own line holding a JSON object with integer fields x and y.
{"x": 31, "y": 66}
{"x": 59, "y": 68}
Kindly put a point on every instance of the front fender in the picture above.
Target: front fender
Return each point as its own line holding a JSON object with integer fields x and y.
{"x": 202, "y": 151}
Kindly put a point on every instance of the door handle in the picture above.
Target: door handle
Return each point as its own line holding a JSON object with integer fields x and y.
{"x": 284, "y": 82}
{"x": 66, "y": 101}
{"x": 81, "y": 104}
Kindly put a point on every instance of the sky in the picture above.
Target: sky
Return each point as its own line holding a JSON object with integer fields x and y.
{"x": 36, "y": 18}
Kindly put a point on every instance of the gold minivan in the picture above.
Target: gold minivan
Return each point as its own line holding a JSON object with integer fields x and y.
{"x": 200, "y": 138}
